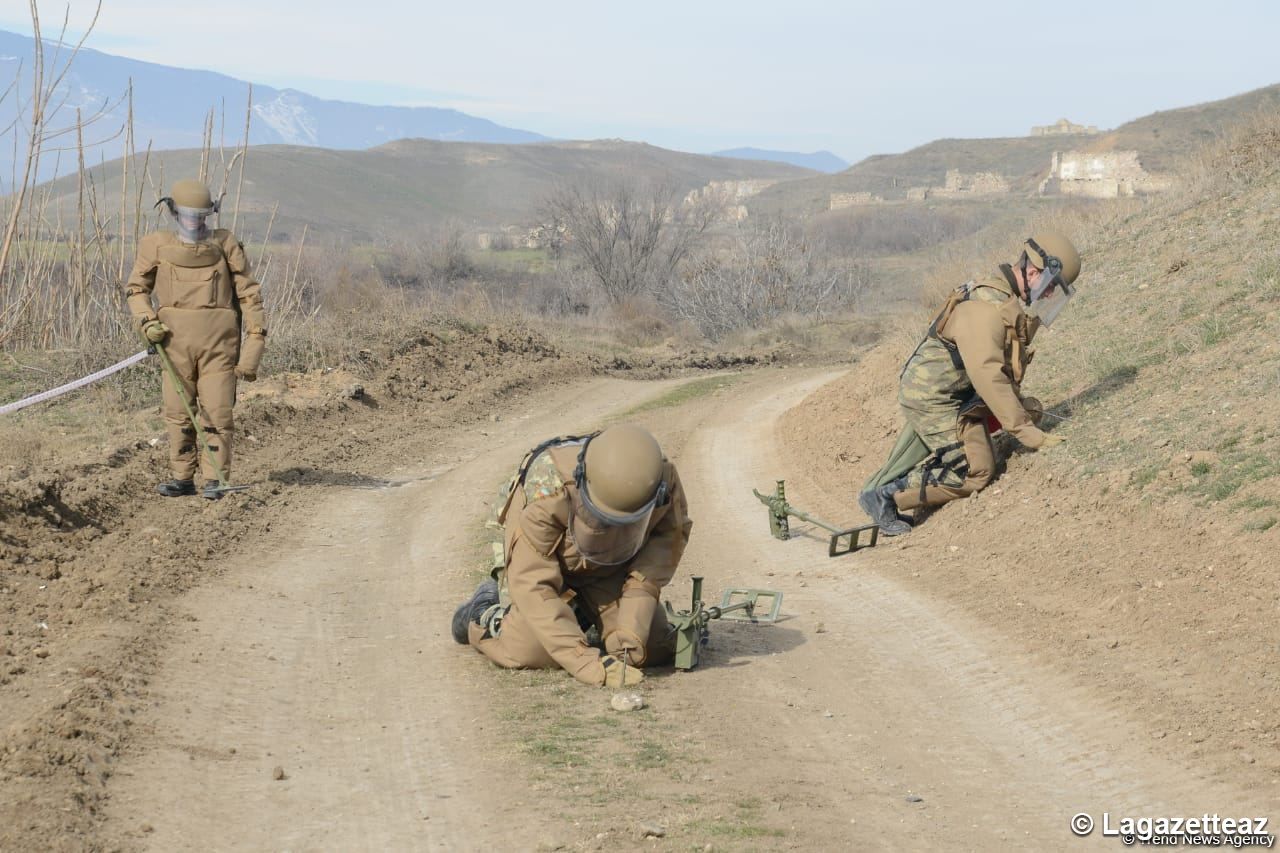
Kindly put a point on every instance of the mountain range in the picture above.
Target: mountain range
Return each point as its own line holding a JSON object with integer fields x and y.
{"x": 170, "y": 106}
{"x": 403, "y": 187}
{"x": 818, "y": 161}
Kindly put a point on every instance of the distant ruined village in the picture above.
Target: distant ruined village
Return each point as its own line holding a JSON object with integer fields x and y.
{"x": 1072, "y": 172}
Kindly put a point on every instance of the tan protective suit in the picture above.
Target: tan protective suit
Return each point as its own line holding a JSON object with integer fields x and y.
{"x": 205, "y": 294}
{"x": 972, "y": 367}
{"x": 545, "y": 571}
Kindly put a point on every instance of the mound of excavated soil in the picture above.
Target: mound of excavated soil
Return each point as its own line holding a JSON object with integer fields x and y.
{"x": 91, "y": 557}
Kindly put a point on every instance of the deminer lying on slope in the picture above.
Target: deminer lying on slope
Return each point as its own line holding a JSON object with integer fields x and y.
{"x": 967, "y": 369}
{"x": 204, "y": 298}
{"x": 594, "y": 528}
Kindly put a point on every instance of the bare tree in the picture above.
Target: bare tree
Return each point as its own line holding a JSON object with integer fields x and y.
{"x": 765, "y": 271}
{"x": 631, "y": 238}
{"x": 39, "y": 113}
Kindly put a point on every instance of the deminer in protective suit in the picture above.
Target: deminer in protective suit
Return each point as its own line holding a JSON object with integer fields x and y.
{"x": 204, "y": 298}
{"x": 967, "y": 369}
{"x": 594, "y": 528}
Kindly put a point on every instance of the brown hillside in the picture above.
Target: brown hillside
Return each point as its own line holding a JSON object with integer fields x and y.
{"x": 1140, "y": 555}
{"x": 1163, "y": 141}
{"x": 401, "y": 187}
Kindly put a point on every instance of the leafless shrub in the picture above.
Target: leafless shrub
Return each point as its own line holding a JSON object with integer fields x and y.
{"x": 631, "y": 238}
{"x": 1243, "y": 154}
{"x": 765, "y": 271}
{"x": 891, "y": 229}
{"x": 448, "y": 258}
{"x": 501, "y": 242}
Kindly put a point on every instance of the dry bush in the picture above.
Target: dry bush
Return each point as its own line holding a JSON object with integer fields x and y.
{"x": 894, "y": 229}
{"x": 763, "y": 272}
{"x": 630, "y": 236}
{"x": 63, "y": 259}
{"x": 639, "y": 322}
{"x": 1241, "y": 156}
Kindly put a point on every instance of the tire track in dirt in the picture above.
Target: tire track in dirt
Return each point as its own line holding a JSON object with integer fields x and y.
{"x": 878, "y": 696}
{"x": 331, "y": 659}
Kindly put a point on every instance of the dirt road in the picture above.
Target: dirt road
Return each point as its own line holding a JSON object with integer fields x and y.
{"x": 873, "y": 717}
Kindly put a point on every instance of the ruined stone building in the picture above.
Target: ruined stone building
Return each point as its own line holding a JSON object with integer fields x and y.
{"x": 959, "y": 184}
{"x": 729, "y": 195}
{"x": 1062, "y": 127}
{"x": 839, "y": 201}
{"x": 1111, "y": 174}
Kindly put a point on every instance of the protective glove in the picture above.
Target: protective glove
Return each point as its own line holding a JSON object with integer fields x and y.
{"x": 1051, "y": 440}
{"x": 625, "y": 645}
{"x": 250, "y": 356}
{"x": 155, "y": 331}
{"x": 617, "y": 674}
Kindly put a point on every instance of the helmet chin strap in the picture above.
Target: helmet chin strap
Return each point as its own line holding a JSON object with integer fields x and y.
{"x": 1024, "y": 264}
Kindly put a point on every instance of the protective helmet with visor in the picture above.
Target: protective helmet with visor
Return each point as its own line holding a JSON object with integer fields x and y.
{"x": 620, "y": 482}
{"x": 190, "y": 203}
{"x": 1053, "y": 289}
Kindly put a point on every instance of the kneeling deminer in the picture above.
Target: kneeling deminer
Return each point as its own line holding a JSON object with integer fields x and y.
{"x": 594, "y": 528}
{"x": 967, "y": 369}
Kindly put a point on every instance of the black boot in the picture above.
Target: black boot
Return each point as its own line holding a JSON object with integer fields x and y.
{"x": 878, "y": 503}
{"x": 212, "y": 490}
{"x": 485, "y": 596}
{"x": 177, "y": 488}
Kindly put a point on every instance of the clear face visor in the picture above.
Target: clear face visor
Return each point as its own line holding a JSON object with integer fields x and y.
{"x": 604, "y": 543}
{"x": 1050, "y": 294}
{"x": 191, "y": 222}
{"x": 607, "y": 538}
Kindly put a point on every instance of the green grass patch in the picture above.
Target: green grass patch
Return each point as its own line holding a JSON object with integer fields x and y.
{"x": 1214, "y": 330}
{"x": 685, "y": 393}
{"x": 1236, "y": 471}
{"x": 570, "y": 742}
{"x": 1145, "y": 476}
{"x": 1265, "y": 280}
{"x": 514, "y": 260}
{"x": 736, "y": 829}
{"x": 651, "y": 754}
{"x": 1258, "y": 525}
{"x": 1256, "y": 503}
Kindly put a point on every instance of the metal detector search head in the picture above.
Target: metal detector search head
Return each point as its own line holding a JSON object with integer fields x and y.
{"x": 842, "y": 541}
{"x": 736, "y": 605}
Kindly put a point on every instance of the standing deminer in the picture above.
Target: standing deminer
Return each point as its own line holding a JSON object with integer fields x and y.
{"x": 969, "y": 367}
{"x": 204, "y": 299}
{"x": 594, "y": 529}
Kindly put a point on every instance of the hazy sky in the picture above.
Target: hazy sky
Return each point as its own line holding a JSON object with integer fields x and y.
{"x": 853, "y": 77}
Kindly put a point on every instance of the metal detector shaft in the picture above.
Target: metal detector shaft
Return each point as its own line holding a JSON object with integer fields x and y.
{"x": 186, "y": 404}
{"x": 842, "y": 540}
